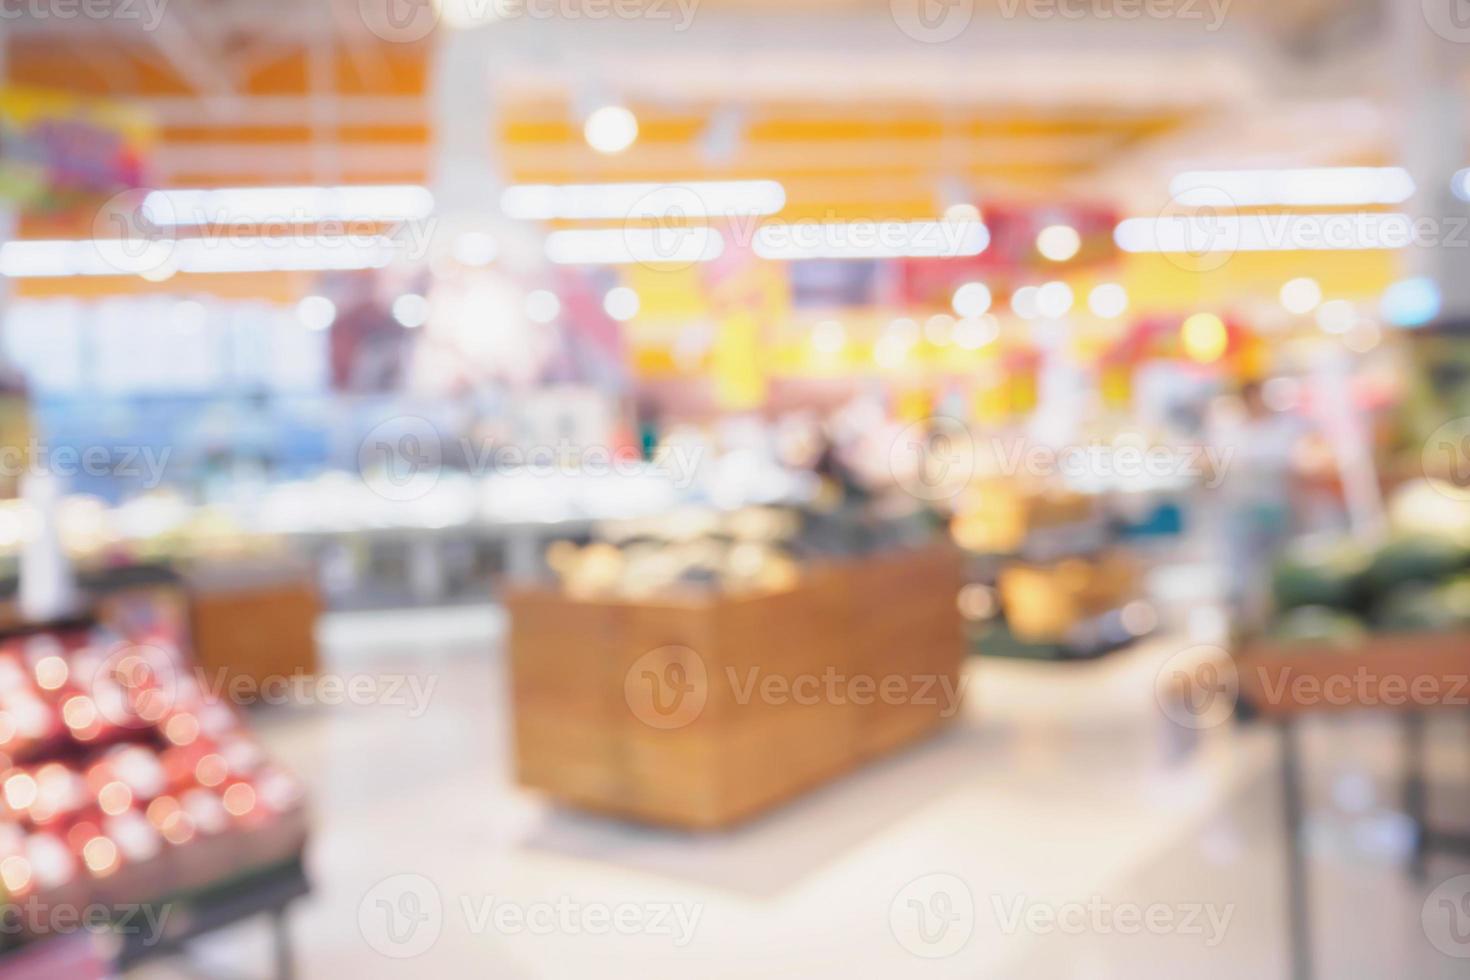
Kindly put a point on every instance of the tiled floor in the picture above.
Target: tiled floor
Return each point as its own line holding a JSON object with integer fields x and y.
{"x": 1061, "y": 830}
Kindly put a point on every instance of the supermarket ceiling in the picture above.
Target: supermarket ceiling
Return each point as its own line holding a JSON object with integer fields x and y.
{"x": 851, "y": 106}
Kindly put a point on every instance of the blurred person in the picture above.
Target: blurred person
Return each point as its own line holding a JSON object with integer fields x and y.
{"x": 1257, "y": 451}
{"x": 367, "y": 345}
{"x": 841, "y": 486}
{"x": 649, "y": 424}
{"x": 836, "y": 519}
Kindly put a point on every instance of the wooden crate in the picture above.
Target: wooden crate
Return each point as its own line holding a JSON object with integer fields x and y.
{"x": 255, "y": 623}
{"x": 1392, "y": 671}
{"x": 705, "y": 710}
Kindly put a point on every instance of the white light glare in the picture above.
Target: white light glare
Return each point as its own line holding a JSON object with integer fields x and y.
{"x": 475, "y": 248}
{"x": 1054, "y": 299}
{"x": 316, "y": 312}
{"x": 1023, "y": 302}
{"x": 971, "y": 299}
{"x": 116, "y": 257}
{"x": 621, "y": 303}
{"x": 625, "y": 246}
{"x": 692, "y": 198}
{"x": 295, "y": 205}
{"x": 1213, "y": 233}
{"x": 1301, "y": 296}
{"x": 611, "y": 129}
{"x": 411, "y": 310}
{"x": 1058, "y": 242}
{"x": 973, "y": 333}
{"x": 542, "y": 306}
{"x": 1307, "y": 187}
{"x": 1108, "y": 300}
{"x": 871, "y": 240}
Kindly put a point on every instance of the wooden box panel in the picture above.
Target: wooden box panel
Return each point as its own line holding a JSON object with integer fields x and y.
{"x": 562, "y": 656}
{"x": 568, "y": 756}
{"x": 256, "y": 630}
{"x": 703, "y": 711}
{"x": 919, "y": 642}
{"x": 926, "y": 665}
{"x": 777, "y": 756}
{"x": 1407, "y": 672}
{"x": 676, "y": 776}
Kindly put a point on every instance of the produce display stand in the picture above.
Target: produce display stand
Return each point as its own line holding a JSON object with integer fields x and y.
{"x": 254, "y": 620}
{"x": 232, "y": 863}
{"x": 247, "y": 619}
{"x": 729, "y": 752}
{"x": 265, "y": 891}
{"x": 1057, "y": 623}
{"x": 1410, "y": 674}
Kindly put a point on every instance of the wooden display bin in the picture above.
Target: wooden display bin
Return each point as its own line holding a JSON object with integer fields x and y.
{"x": 1407, "y": 673}
{"x": 1394, "y": 671}
{"x": 255, "y": 622}
{"x": 705, "y": 710}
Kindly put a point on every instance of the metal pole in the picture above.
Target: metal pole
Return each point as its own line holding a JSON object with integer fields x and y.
{"x": 281, "y": 929}
{"x": 1416, "y": 793}
{"x": 1298, "y": 897}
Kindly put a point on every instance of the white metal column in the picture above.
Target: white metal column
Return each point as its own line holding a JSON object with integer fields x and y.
{"x": 1430, "y": 50}
{"x": 466, "y": 175}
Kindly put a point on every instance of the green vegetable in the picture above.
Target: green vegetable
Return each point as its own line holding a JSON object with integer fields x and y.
{"x": 1319, "y": 624}
{"x": 1320, "y": 573}
{"x": 1414, "y": 558}
{"x": 1419, "y": 607}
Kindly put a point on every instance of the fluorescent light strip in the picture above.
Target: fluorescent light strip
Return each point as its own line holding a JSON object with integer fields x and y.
{"x": 627, "y": 246}
{"x": 1217, "y": 234}
{"x": 118, "y": 257}
{"x": 1310, "y": 187}
{"x": 871, "y": 240}
{"x": 296, "y": 205}
{"x": 693, "y": 198}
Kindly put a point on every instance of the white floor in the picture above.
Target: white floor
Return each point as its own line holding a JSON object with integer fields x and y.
{"x": 1030, "y": 841}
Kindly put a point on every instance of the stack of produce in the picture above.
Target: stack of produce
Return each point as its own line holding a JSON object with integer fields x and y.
{"x": 122, "y": 780}
{"x": 998, "y": 515}
{"x": 1045, "y": 603}
{"x": 1336, "y": 592}
{"x": 744, "y": 551}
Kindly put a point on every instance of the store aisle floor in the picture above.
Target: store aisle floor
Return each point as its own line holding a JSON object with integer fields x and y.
{"x": 1062, "y": 800}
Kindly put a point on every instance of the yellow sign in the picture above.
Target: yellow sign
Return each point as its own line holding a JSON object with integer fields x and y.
{"x": 735, "y": 361}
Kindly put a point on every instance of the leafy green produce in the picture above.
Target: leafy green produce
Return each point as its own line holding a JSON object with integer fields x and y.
{"x": 1319, "y": 624}
{"x": 1421, "y": 607}
{"x": 1320, "y": 573}
{"x": 1414, "y": 558}
{"x": 1455, "y": 595}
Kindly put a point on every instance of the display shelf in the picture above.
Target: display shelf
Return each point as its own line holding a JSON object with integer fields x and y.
{"x": 1090, "y": 639}
{"x": 125, "y": 782}
{"x": 1387, "y": 671}
{"x": 264, "y": 891}
{"x": 595, "y": 727}
{"x": 1409, "y": 674}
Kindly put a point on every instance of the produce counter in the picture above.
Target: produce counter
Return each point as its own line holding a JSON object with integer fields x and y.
{"x": 253, "y": 621}
{"x": 1394, "y": 671}
{"x": 1409, "y": 674}
{"x": 245, "y": 618}
{"x": 703, "y": 709}
{"x": 128, "y": 783}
